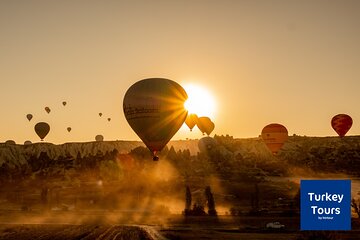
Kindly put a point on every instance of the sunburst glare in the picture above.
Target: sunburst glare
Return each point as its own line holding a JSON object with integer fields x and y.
{"x": 200, "y": 101}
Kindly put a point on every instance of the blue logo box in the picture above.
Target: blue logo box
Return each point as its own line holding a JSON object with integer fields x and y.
{"x": 325, "y": 205}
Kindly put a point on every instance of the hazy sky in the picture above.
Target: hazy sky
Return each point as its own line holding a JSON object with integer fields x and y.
{"x": 292, "y": 62}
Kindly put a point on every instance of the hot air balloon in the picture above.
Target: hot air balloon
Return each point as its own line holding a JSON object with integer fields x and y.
{"x": 109, "y": 119}
{"x": 154, "y": 109}
{"x": 10, "y": 142}
{"x": 206, "y": 143}
{"x": 341, "y": 123}
{"x": 47, "y": 109}
{"x": 274, "y": 136}
{"x": 69, "y": 129}
{"x": 191, "y": 120}
{"x": 42, "y": 129}
{"x": 29, "y": 116}
{"x": 205, "y": 125}
{"x": 99, "y": 138}
{"x": 100, "y": 114}
{"x": 64, "y": 103}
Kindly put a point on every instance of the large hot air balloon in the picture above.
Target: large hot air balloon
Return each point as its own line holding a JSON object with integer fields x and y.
{"x": 205, "y": 125}
{"x": 69, "y": 129}
{"x": 154, "y": 108}
{"x": 64, "y": 103}
{"x": 100, "y": 114}
{"x": 29, "y": 116}
{"x": 47, "y": 109}
{"x": 99, "y": 138}
{"x": 191, "y": 120}
{"x": 274, "y": 136}
{"x": 341, "y": 123}
{"x": 42, "y": 129}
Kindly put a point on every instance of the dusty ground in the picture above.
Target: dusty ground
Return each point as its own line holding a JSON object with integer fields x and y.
{"x": 176, "y": 228}
{"x": 72, "y": 232}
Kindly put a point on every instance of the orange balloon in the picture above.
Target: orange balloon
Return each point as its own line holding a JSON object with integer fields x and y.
{"x": 205, "y": 125}
{"x": 274, "y": 136}
{"x": 341, "y": 123}
{"x": 191, "y": 120}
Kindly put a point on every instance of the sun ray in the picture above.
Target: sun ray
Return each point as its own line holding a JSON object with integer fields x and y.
{"x": 200, "y": 101}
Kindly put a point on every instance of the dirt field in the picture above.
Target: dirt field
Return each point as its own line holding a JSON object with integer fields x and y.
{"x": 116, "y": 232}
{"x": 71, "y": 232}
{"x": 176, "y": 228}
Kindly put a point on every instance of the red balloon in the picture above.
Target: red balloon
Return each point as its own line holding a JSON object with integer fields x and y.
{"x": 341, "y": 123}
{"x": 274, "y": 136}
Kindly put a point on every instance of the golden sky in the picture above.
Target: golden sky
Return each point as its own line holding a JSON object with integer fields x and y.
{"x": 292, "y": 62}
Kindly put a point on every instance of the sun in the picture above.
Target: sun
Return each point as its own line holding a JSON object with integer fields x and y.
{"x": 200, "y": 101}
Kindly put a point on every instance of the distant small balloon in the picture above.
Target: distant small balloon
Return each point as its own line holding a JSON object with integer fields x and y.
{"x": 100, "y": 114}
{"x": 10, "y": 142}
{"x": 29, "y": 116}
{"x": 64, "y": 103}
{"x": 69, "y": 129}
{"x": 47, "y": 109}
{"x": 341, "y": 123}
{"x": 99, "y": 138}
{"x": 109, "y": 119}
{"x": 42, "y": 129}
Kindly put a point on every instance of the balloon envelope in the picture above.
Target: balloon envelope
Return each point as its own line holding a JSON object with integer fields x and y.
{"x": 99, "y": 138}
{"x": 47, "y": 109}
{"x": 341, "y": 123}
{"x": 42, "y": 129}
{"x": 69, "y": 129}
{"x": 191, "y": 120}
{"x": 274, "y": 136}
{"x": 64, "y": 103}
{"x": 10, "y": 142}
{"x": 154, "y": 108}
{"x": 205, "y": 125}
{"x": 29, "y": 116}
{"x": 100, "y": 114}
{"x": 206, "y": 143}
{"x": 109, "y": 119}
